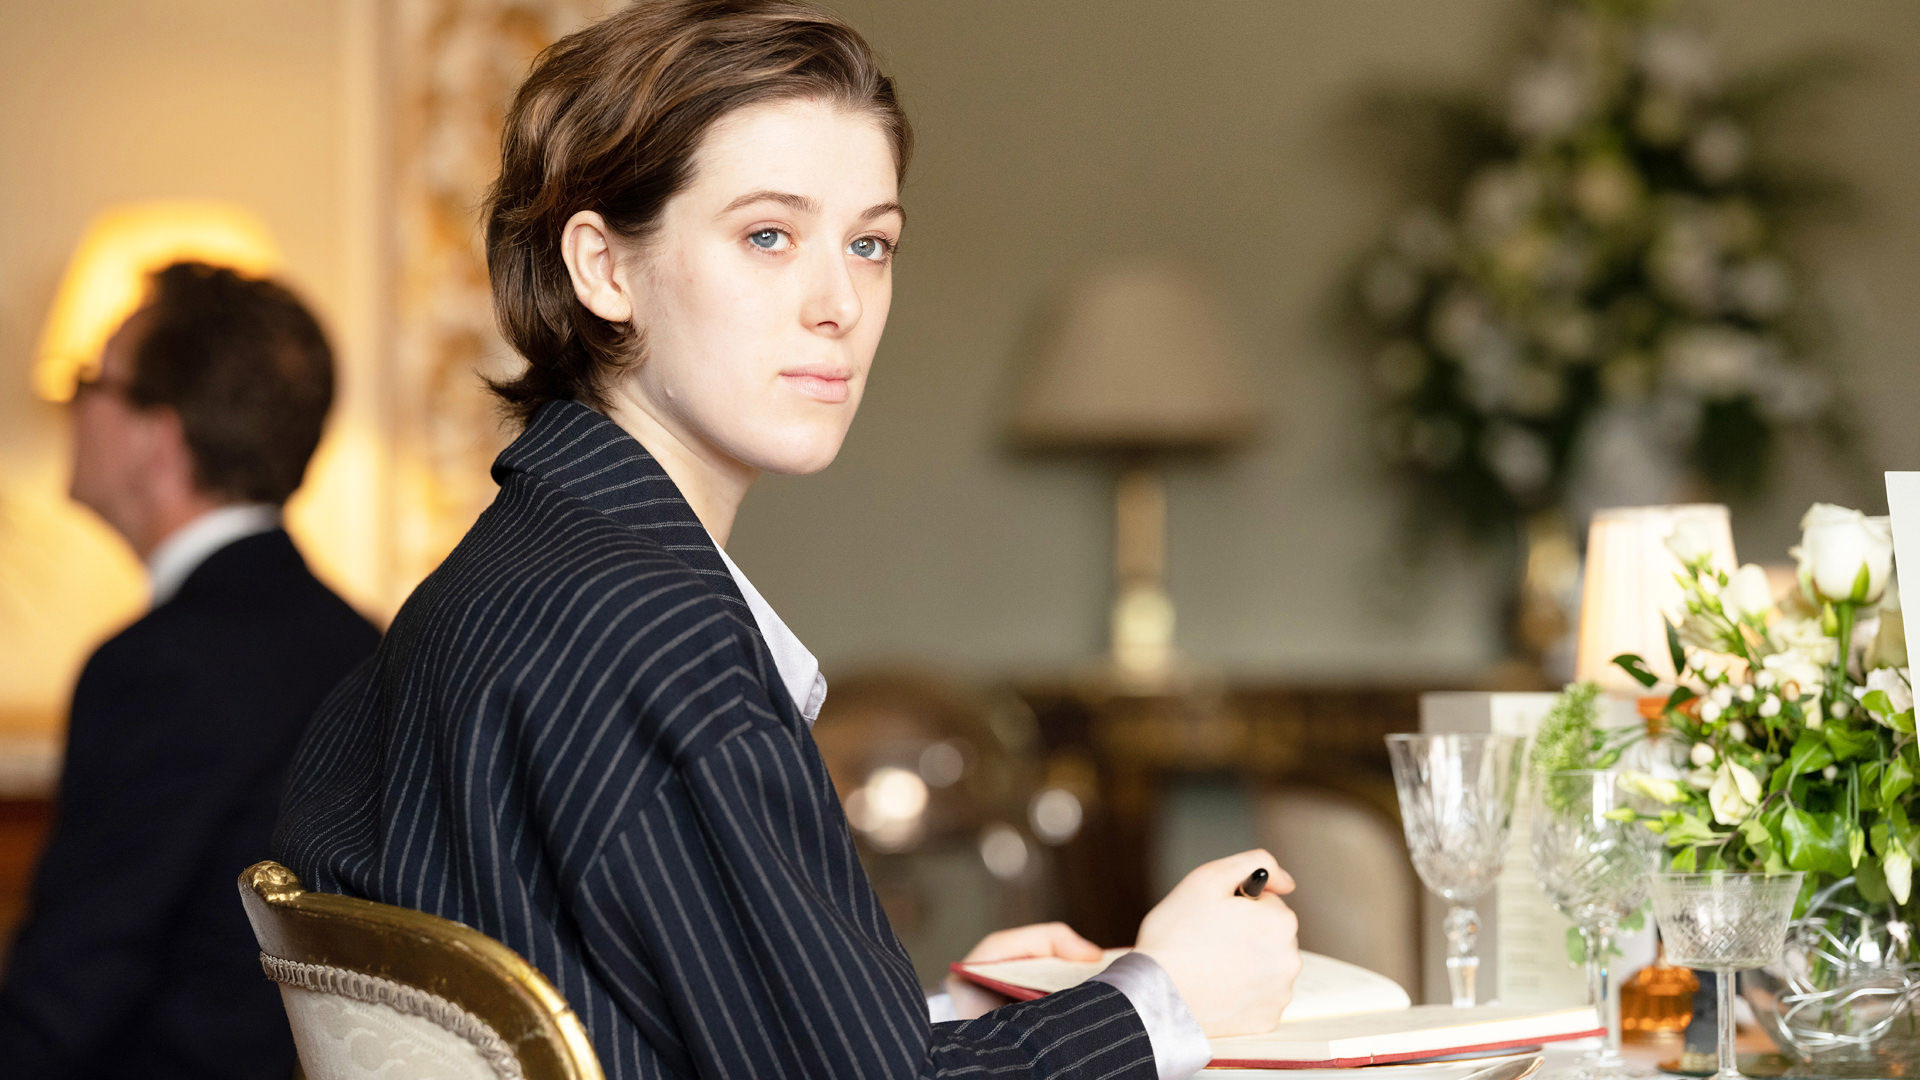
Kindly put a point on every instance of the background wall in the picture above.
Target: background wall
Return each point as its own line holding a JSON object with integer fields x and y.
{"x": 1214, "y": 134}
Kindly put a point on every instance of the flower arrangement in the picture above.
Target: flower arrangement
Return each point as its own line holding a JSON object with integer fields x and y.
{"x": 1596, "y": 304}
{"x": 1795, "y": 716}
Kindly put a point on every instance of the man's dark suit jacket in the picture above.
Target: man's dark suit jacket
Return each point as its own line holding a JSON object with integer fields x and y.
{"x": 574, "y": 739}
{"x": 136, "y": 959}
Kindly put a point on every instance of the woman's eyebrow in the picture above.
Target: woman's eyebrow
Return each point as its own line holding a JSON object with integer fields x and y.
{"x": 799, "y": 202}
{"x": 806, "y": 204}
{"x": 885, "y": 208}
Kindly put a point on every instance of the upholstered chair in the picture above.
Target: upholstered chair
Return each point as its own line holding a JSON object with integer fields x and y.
{"x": 376, "y": 992}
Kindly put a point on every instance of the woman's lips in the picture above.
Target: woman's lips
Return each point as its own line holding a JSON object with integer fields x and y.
{"x": 831, "y": 389}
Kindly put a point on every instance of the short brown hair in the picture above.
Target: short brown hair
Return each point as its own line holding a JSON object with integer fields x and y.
{"x": 245, "y": 366}
{"x": 609, "y": 121}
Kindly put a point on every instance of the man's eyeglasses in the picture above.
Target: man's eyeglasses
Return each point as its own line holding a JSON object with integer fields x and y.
{"x": 93, "y": 383}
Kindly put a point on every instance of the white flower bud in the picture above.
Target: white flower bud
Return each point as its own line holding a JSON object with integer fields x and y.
{"x": 1709, "y": 712}
{"x": 1830, "y": 772}
{"x": 1701, "y": 754}
{"x": 1746, "y": 692}
{"x": 1841, "y": 709}
{"x": 1738, "y": 730}
{"x": 1770, "y": 707}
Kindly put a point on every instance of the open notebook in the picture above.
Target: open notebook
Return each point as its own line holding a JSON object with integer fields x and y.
{"x": 1342, "y": 1015}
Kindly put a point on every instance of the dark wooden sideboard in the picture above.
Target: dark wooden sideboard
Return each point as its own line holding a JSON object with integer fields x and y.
{"x": 1123, "y": 750}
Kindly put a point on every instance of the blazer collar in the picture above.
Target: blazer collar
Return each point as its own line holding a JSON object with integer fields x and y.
{"x": 594, "y": 459}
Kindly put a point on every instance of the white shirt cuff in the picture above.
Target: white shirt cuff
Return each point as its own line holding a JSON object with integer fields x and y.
{"x": 1179, "y": 1046}
{"x": 940, "y": 1008}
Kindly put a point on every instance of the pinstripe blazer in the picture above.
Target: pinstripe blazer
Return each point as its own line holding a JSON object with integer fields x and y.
{"x": 574, "y": 739}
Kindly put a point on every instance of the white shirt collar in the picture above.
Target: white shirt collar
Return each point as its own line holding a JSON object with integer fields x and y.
{"x": 798, "y": 669}
{"x": 182, "y": 552}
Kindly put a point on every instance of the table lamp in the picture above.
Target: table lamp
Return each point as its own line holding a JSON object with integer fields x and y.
{"x": 1136, "y": 365}
{"x": 106, "y": 278}
{"x": 1629, "y": 595}
{"x": 1630, "y": 591}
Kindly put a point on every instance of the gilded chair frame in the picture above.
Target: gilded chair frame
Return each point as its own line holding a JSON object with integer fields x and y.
{"x": 439, "y": 956}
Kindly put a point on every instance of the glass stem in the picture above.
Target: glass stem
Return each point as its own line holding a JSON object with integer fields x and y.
{"x": 1729, "y": 1059}
{"x": 1600, "y": 995}
{"x": 1463, "y": 963}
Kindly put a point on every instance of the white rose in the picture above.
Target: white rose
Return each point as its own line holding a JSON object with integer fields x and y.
{"x": 1889, "y": 648}
{"x": 1893, "y": 683}
{"x": 1690, "y": 541}
{"x": 1657, "y": 788}
{"x": 1747, "y": 594}
{"x": 1835, "y": 545}
{"x": 1734, "y": 793}
{"x": 1898, "y": 866}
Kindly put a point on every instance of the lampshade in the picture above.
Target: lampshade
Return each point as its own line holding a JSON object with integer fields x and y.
{"x": 107, "y": 277}
{"x": 1630, "y": 591}
{"x": 1137, "y": 358}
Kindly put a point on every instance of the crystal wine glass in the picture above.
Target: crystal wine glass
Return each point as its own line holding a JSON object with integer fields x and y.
{"x": 1594, "y": 869}
{"x": 1456, "y": 804}
{"x": 1724, "y": 922}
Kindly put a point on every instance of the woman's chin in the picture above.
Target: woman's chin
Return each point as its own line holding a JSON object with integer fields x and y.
{"x": 801, "y": 457}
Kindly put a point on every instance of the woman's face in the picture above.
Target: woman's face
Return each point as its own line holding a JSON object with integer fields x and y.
{"x": 762, "y": 296}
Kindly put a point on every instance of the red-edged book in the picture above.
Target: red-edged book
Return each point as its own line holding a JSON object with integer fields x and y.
{"x": 1341, "y": 1016}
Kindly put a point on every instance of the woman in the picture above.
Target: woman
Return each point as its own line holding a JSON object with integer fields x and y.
{"x": 585, "y": 733}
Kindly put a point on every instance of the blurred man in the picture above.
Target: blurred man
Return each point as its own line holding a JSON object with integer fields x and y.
{"x": 136, "y": 958}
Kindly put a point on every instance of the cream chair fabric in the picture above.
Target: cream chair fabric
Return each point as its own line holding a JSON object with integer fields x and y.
{"x": 1356, "y": 894}
{"x": 376, "y": 992}
{"x": 350, "y": 1026}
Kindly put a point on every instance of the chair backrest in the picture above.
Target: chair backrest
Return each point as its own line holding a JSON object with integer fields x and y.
{"x": 377, "y": 991}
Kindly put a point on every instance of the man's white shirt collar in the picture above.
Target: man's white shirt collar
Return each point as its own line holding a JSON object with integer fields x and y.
{"x": 798, "y": 669}
{"x": 182, "y": 552}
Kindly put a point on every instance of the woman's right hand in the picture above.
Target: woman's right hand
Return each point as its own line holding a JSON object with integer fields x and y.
{"x": 1232, "y": 959}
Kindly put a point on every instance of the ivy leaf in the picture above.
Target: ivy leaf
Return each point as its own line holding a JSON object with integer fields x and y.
{"x": 1685, "y": 862}
{"x": 1847, "y": 742}
{"x": 1674, "y": 650}
{"x": 1637, "y": 668}
{"x": 1811, "y": 845}
{"x": 1895, "y": 779}
{"x": 1877, "y": 701}
{"x": 1810, "y": 754}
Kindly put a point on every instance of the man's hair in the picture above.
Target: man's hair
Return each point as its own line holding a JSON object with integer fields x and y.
{"x": 609, "y": 120}
{"x": 246, "y": 368}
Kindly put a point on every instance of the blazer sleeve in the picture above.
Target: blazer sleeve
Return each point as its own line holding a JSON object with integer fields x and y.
{"x": 136, "y": 799}
{"x": 734, "y": 896}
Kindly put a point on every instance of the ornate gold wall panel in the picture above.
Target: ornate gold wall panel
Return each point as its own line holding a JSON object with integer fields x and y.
{"x": 455, "y": 65}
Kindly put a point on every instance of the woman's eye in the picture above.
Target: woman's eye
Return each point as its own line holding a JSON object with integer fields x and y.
{"x": 766, "y": 239}
{"x": 869, "y": 247}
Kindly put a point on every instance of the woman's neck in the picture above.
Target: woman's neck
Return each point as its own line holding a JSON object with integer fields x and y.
{"x": 712, "y": 482}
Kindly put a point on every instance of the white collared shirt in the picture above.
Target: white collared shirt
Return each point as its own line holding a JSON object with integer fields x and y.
{"x": 1179, "y": 1046}
{"x": 184, "y": 549}
{"x": 798, "y": 669}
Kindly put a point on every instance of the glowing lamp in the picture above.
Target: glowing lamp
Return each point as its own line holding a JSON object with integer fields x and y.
{"x": 107, "y": 277}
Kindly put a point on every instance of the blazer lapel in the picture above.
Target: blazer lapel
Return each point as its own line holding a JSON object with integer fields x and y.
{"x": 594, "y": 459}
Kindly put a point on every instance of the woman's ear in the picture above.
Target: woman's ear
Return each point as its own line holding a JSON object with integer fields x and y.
{"x": 587, "y": 247}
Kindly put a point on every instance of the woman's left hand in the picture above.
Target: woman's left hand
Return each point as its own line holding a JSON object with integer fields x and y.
{"x": 1040, "y": 939}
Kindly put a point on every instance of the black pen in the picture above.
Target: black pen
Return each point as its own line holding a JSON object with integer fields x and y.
{"x": 1255, "y": 884}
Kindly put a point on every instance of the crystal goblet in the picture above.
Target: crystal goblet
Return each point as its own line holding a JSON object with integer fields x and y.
{"x": 1593, "y": 866}
{"x": 1726, "y": 923}
{"x": 1456, "y": 805}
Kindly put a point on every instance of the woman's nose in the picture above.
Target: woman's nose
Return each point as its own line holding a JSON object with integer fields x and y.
{"x": 833, "y": 300}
